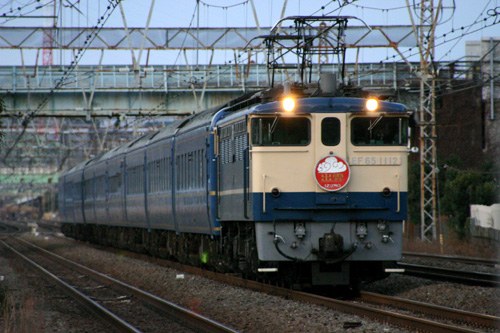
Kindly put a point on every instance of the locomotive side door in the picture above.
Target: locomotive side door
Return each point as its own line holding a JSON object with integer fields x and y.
{"x": 232, "y": 171}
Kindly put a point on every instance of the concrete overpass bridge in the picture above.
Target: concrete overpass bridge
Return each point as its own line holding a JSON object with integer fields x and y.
{"x": 105, "y": 91}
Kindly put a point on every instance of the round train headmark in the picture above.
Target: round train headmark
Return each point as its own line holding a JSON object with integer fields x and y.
{"x": 332, "y": 173}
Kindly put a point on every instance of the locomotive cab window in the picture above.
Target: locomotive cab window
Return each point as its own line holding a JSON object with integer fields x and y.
{"x": 379, "y": 131}
{"x": 281, "y": 131}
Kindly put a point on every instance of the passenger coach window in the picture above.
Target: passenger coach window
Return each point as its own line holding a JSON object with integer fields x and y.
{"x": 280, "y": 131}
{"x": 379, "y": 131}
{"x": 330, "y": 131}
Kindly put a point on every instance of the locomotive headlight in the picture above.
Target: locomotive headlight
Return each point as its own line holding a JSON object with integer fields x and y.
{"x": 288, "y": 104}
{"x": 371, "y": 104}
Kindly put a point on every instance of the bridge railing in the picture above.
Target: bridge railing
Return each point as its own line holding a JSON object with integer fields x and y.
{"x": 217, "y": 77}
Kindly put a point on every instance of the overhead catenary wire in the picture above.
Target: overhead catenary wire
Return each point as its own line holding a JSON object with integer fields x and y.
{"x": 408, "y": 53}
{"x": 459, "y": 30}
{"x": 205, "y": 3}
{"x": 185, "y": 36}
{"x": 18, "y": 12}
{"x": 458, "y": 40}
{"x": 411, "y": 52}
{"x": 89, "y": 39}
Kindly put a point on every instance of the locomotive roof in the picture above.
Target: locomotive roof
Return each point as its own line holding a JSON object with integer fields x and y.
{"x": 330, "y": 104}
{"x": 308, "y": 105}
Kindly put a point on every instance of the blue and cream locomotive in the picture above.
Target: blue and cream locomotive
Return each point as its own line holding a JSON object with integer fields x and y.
{"x": 309, "y": 190}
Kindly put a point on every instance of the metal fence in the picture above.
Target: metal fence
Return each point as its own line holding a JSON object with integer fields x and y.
{"x": 217, "y": 77}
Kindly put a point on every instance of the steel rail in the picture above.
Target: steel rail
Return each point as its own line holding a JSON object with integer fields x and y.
{"x": 188, "y": 318}
{"x": 88, "y": 303}
{"x": 473, "y": 319}
{"x": 390, "y": 317}
{"x": 6, "y": 228}
{"x": 466, "y": 277}
{"x": 462, "y": 259}
{"x": 401, "y": 320}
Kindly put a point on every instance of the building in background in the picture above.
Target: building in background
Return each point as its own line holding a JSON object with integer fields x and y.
{"x": 487, "y": 54}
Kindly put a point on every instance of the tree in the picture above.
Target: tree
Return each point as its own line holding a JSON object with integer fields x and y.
{"x": 463, "y": 188}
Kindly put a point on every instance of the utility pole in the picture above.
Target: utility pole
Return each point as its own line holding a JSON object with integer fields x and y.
{"x": 429, "y": 218}
{"x": 428, "y": 15}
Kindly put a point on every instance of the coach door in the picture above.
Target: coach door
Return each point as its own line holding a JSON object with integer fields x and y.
{"x": 232, "y": 174}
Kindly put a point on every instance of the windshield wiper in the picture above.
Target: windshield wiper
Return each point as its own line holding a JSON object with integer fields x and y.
{"x": 273, "y": 125}
{"x": 372, "y": 125}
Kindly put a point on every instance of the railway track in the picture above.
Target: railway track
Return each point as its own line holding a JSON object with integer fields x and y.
{"x": 412, "y": 322}
{"x": 440, "y": 312}
{"x": 6, "y": 228}
{"x": 375, "y": 309}
{"x": 459, "y": 259}
{"x": 110, "y": 299}
{"x": 453, "y": 275}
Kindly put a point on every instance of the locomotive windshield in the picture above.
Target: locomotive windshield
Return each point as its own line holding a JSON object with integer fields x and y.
{"x": 379, "y": 131}
{"x": 281, "y": 131}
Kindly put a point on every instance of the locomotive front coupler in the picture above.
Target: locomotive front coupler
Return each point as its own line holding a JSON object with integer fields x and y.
{"x": 331, "y": 248}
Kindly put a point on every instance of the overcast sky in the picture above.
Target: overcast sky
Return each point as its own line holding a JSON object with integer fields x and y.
{"x": 457, "y": 18}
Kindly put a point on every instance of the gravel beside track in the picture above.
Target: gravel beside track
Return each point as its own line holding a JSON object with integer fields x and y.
{"x": 248, "y": 311}
{"x": 468, "y": 298}
{"x": 34, "y": 305}
{"x": 452, "y": 264}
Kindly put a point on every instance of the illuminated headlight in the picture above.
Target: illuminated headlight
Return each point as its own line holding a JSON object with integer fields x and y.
{"x": 371, "y": 104}
{"x": 288, "y": 104}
